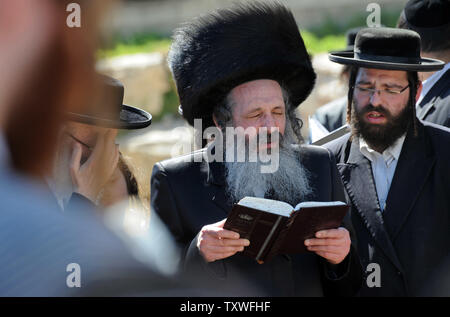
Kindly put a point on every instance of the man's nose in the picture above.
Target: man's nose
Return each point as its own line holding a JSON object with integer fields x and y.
{"x": 375, "y": 99}
{"x": 269, "y": 122}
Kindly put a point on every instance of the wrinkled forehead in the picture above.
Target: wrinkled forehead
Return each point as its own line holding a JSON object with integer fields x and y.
{"x": 381, "y": 75}
{"x": 257, "y": 92}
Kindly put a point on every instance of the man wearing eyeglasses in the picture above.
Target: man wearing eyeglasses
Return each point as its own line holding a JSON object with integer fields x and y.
{"x": 395, "y": 168}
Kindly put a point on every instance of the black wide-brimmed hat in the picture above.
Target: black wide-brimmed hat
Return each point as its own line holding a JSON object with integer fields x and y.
{"x": 431, "y": 19}
{"x": 387, "y": 48}
{"x": 108, "y": 110}
{"x": 219, "y": 51}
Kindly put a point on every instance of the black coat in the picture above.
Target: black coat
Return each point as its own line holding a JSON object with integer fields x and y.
{"x": 412, "y": 235}
{"x": 188, "y": 195}
{"x": 435, "y": 106}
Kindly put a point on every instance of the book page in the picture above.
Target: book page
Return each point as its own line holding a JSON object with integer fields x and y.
{"x": 268, "y": 205}
{"x": 308, "y": 204}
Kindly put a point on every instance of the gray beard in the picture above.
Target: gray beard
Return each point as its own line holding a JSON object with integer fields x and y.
{"x": 289, "y": 183}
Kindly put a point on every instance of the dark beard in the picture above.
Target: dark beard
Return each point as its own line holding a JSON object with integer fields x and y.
{"x": 380, "y": 136}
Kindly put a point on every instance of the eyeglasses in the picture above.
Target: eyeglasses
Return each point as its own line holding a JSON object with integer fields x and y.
{"x": 384, "y": 93}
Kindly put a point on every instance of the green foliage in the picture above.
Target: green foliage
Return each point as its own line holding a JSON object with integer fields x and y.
{"x": 315, "y": 44}
{"x": 139, "y": 43}
{"x": 328, "y": 35}
{"x": 147, "y": 43}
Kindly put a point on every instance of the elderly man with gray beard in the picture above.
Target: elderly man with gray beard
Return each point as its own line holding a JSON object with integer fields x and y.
{"x": 245, "y": 70}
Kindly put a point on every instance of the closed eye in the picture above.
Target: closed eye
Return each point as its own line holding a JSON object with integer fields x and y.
{"x": 362, "y": 88}
{"x": 256, "y": 115}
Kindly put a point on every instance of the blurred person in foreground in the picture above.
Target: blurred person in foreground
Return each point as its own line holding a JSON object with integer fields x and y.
{"x": 431, "y": 19}
{"x": 247, "y": 67}
{"x": 88, "y": 165}
{"x": 48, "y": 70}
{"x": 395, "y": 168}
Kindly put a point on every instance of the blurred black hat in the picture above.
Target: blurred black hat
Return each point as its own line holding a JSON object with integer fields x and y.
{"x": 351, "y": 36}
{"x": 429, "y": 18}
{"x": 108, "y": 110}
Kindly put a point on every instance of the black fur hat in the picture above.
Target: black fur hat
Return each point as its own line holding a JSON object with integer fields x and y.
{"x": 219, "y": 51}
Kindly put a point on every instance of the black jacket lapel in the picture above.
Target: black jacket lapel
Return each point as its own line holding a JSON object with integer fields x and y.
{"x": 414, "y": 166}
{"x": 358, "y": 181}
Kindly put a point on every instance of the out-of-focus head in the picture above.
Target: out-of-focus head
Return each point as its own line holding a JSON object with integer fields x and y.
{"x": 47, "y": 69}
{"x": 431, "y": 19}
{"x": 84, "y": 134}
{"x": 71, "y": 135}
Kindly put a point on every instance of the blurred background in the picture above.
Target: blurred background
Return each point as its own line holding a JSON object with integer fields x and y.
{"x": 139, "y": 37}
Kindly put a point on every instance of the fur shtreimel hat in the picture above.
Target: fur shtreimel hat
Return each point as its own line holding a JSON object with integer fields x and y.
{"x": 221, "y": 50}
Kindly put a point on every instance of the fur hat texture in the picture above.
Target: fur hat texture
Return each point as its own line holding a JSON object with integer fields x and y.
{"x": 216, "y": 52}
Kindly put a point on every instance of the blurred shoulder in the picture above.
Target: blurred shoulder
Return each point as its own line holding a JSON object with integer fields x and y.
{"x": 333, "y": 108}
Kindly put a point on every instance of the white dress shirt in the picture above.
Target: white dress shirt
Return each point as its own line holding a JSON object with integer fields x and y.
{"x": 430, "y": 81}
{"x": 383, "y": 166}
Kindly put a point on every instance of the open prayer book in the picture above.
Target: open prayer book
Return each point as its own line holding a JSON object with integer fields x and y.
{"x": 275, "y": 227}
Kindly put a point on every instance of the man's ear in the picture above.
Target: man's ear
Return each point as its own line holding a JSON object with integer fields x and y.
{"x": 419, "y": 90}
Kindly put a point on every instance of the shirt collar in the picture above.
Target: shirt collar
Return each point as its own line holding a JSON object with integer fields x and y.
{"x": 391, "y": 152}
